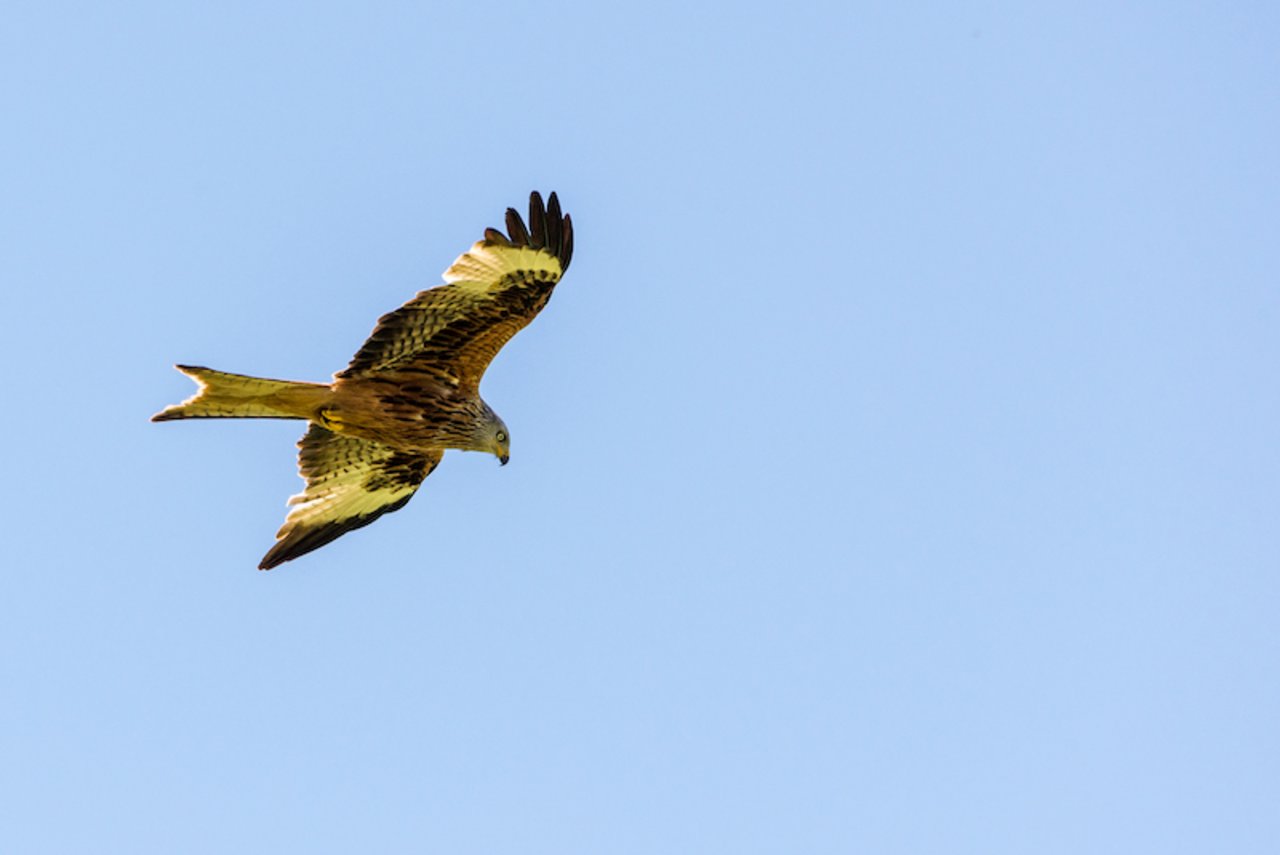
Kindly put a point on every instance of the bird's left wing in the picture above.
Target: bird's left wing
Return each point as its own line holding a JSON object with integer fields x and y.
{"x": 492, "y": 291}
{"x": 350, "y": 483}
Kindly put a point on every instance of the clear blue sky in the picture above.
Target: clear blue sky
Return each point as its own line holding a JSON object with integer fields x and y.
{"x": 895, "y": 471}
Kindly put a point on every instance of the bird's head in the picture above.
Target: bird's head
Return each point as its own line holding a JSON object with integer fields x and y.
{"x": 502, "y": 444}
{"x": 488, "y": 433}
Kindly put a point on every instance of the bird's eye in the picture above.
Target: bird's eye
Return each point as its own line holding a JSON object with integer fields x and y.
{"x": 502, "y": 436}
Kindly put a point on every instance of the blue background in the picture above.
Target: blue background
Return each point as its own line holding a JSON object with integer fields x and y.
{"x": 895, "y": 470}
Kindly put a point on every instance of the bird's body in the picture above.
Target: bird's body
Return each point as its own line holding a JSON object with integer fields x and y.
{"x": 407, "y": 411}
{"x": 410, "y": 393}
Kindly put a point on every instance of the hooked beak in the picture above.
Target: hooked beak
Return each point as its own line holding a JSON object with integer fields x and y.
{"x": 502, "y": 459}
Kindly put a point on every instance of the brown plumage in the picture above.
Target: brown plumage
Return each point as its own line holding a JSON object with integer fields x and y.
{"x": 410, "y": 392}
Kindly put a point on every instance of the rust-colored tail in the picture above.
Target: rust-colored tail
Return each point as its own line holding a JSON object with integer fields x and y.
{"x": 235, "y": 396}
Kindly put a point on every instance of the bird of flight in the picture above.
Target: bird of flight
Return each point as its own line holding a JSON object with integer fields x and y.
{"x": 410, "y": 392}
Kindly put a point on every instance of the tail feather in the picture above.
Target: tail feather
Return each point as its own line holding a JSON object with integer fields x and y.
{"x": 235, "y": 396}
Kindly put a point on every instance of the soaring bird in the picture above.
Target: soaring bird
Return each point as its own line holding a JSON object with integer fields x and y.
{"x": 411, "y": 391}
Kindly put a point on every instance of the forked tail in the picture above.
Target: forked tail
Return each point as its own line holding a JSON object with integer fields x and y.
{"x": 235, "y": 396}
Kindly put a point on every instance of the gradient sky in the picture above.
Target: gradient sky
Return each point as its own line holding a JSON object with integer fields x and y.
{"x": 894, "y": 471}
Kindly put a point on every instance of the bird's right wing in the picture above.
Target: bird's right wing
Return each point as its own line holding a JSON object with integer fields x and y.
{"x": 350, "y": 483}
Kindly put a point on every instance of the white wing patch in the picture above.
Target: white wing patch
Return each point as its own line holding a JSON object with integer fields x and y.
{"x": 488, "y": 265}
{"x": 342, "y": 495}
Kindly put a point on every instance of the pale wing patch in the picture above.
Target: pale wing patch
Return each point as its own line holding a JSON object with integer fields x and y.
{"x": 345, "y": 495}
{"x": 487, "y": 266}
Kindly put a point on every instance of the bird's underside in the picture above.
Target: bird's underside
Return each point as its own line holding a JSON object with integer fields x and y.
{"x": 409, "y": 393}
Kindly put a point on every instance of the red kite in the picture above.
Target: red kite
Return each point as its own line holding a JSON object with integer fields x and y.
{"x": 412, "y": 390}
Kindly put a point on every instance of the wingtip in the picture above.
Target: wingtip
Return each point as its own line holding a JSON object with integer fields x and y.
{"x": 548, "y": 228}
{"x": 280, "y": 553}
{"x": 566, "y": 243}
{"x": 284, "y": 549}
